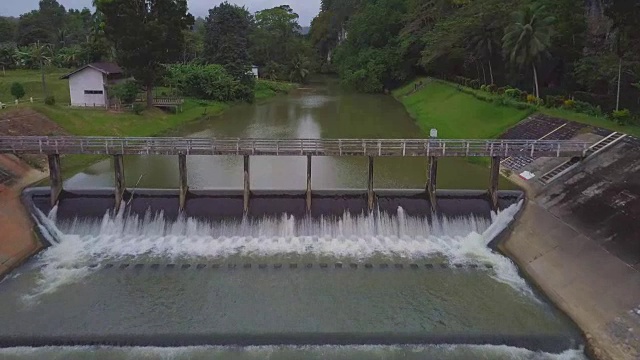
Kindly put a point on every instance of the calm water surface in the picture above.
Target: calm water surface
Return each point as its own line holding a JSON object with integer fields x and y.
{"x": 320, "y": 111}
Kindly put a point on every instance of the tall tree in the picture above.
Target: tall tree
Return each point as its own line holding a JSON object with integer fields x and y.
{"x": 625, "y": 15}
{"x": 145, "y": 34}
{"x": 8, "y": 27}
{"x": 275, "y": 36}
{"x": 528, "y": 38}
{"x": 226, "y": 40}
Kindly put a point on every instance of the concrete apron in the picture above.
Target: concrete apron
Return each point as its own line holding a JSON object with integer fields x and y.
{"x": 593, "y": 287}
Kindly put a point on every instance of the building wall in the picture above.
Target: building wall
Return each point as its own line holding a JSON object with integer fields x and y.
{"x": 87, "y": 80}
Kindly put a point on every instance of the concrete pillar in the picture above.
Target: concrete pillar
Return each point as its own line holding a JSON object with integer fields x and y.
{"x": 184, "y": 187}
{"x": 55, "y": 178}
{"x": 493, "y": 183}
{"x": 370, "y": 194}
{"x": 308, "y": 183}
{"x": 118, "y": 168}
{"x": 432, "y": 179}
{"x": 247, "y": 187}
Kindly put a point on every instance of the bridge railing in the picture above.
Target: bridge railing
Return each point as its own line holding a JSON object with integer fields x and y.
{"x": 290, "y": 147}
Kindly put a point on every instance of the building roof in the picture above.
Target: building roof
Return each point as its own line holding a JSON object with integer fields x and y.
{"x": 106, "y": 68}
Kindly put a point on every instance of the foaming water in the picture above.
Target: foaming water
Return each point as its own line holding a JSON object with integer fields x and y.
{"x": 80, "y": 245}
{"x": 442, "y": 352}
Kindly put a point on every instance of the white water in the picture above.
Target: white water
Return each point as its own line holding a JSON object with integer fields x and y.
{"x": 478, "y": 352}
{"x": 83, "y": 243}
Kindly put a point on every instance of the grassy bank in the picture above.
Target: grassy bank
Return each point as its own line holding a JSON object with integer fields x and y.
{"x": 266, "y": 89}
{"x": 418, "y": 109}
{"x": 456, "y": 115}
{"x": 32, "y": 82}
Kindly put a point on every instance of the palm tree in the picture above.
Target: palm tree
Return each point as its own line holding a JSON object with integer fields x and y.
{"x": 528, "y": 38}
{"x": 299, "y": 68}
{"x": 484, "y": 45}
{"x": 38, "y": 54}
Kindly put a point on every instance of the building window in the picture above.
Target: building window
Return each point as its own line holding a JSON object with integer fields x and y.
{"x": 93, "y": 92}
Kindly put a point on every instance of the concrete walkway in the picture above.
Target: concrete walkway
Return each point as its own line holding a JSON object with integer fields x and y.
{"x": 597, "y": 290}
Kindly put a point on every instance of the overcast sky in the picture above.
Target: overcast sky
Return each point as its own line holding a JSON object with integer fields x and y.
{"x": 307, "y": 9}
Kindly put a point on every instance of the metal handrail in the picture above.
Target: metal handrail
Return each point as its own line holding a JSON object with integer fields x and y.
{"x": 288, "y": 147}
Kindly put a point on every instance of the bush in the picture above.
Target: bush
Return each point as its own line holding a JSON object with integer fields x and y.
{"x": 569, "y": 103}
{"x": 137, "y": 108}
{"x": 532, "y": 99}
{"x": 50, "y": 100}
{"x": 586, "y": 108}
{"x": 501, "y": 90}
{"x": 17, "y": 90}
{"x": 210, "y": 82}
{"x": 554, "y": 101}
{"x": 475, "y": 84}
{"x": 622, "y": 117}
{"x": 483, "y": 88}
{"x": 492, "y": 88}
{"x": 513, "y": 93}
{"x": 126, "y": 91}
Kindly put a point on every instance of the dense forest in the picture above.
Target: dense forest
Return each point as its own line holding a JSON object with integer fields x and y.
{"x": 159, "y": 42}
{"x": 580, "y": 48}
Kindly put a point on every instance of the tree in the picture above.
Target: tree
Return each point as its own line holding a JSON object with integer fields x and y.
{"x": 625, "y": 15}
{"x": 527, "y": 39}
{"x": 299, "y": 69}
{"x": 226, "y": 40}
{"x": 484, "y": 45}
{"x": 17, "y": 90}
{"x": 8, "y": 27}
{"x": 276, "y": 36}
{"x": 145, "y": 34}
{"x": 38, "y": 55}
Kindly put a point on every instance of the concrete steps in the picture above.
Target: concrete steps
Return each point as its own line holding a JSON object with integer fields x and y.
{"x": 600, "y": 146}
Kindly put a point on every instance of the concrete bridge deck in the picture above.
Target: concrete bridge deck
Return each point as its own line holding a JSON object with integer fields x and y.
{"x": 290, "y": 147}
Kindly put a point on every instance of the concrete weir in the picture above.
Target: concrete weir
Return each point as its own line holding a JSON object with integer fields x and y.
{"x": 95, "y": 203}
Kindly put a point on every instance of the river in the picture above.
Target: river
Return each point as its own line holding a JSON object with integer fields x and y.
{"x": 320, "y": 111}
{"x": 283, "y": 287}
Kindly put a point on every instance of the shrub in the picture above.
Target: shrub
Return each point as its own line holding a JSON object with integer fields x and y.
{"x": 622, "y": 117}
{"x": 17, "y": 90}
{"x": 569, "y": 103}
{"x": 532, "y": 99}
{"x": 513, "y": 93}
{"x": 50, "y": 100}
{"x": 501, "y": 90}
{"x": 587, "y": 108}
{"x": 126, "y": 91}
{"x": 210, "y": 82}
{"x": 483, "y": 88}
{"x": 137, "y": 108}
{"x": 492, "y": 88}
{"x": 474, "y": 84}
{"x": 554, "y": 101}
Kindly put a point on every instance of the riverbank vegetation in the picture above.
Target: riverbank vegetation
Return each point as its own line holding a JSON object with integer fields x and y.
{"x": 150, "y": 42}
{"x": 548, "y": 50}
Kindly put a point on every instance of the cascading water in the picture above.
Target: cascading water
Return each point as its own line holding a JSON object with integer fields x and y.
{"x": 83, "y": 245}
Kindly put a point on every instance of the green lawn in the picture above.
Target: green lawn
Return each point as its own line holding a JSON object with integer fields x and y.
{"x": 266, "y": 89}
{"x": 456, "y": 115}
{"x": 32, "y": 82}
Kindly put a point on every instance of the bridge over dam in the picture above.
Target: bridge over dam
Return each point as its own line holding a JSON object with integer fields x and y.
{"x": 430, "y": 149}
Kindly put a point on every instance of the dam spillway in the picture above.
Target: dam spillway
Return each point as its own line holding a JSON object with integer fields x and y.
{"x": 389, "y": 277}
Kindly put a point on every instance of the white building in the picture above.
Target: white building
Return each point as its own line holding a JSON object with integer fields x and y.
{"x": 88, "y": 84}
{"x": 255, "y": 71}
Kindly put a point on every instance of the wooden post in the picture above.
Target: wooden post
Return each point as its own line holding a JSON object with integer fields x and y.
{"x": 370, "y": 194}
{"x": 432, "y": 179}
{"x": 493, "y": 183}
{"x": 184, "y": 187}
{"x": 55, "y": 178}
{"x": 247, "y": 183}
{"x": 308, "y": 183}
{"x": 118, "y": 168}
